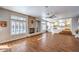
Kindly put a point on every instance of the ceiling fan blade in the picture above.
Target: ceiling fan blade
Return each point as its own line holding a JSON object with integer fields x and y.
{"x": 52, "y": 16}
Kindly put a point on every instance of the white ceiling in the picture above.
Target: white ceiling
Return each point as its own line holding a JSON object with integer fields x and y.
{"x": 59, "y": 11}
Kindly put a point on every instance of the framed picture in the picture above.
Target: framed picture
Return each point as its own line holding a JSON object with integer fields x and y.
{"x": 3, "y": 23}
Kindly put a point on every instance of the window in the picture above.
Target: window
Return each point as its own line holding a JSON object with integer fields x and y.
{"x": 43, "y": 26}
{"x": 18, "y": 25}
{"x": 61, "y": 23}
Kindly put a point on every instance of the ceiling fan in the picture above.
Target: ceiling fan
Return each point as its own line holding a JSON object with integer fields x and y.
{"x": 48, "y": 13}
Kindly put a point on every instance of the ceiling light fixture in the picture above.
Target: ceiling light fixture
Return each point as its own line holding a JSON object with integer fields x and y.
{"x": 48, "y": 12}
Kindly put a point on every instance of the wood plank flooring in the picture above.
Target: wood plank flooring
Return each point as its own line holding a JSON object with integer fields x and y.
{"x": 46, "y": 42}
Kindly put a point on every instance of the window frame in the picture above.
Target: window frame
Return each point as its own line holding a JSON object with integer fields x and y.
{"x": 19, "y": 21}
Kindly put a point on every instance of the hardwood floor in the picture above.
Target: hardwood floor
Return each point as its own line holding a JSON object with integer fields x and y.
{"x": 46, "y": 42}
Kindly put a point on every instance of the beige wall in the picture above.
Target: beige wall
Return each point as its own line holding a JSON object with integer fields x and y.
{"x": 5, "y": 32}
